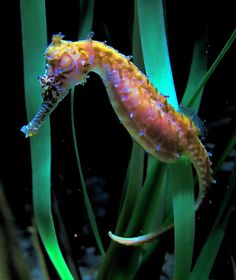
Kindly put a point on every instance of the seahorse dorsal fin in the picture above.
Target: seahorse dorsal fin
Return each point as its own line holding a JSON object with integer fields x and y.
{"x": 198, "y": 123}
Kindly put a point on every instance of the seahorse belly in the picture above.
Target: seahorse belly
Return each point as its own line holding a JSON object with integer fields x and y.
{"x": 145, "y": 113}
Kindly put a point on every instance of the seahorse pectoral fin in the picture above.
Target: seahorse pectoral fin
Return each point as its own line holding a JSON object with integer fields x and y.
{"x": 197, "y": 122}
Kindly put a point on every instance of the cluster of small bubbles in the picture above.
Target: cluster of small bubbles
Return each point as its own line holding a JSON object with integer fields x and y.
{"x": 158, "y": 148}
{"x": 124, "y": 97}
{"x": 159, "y": 105}
{"x": 82, "y": 62}
{"x": 141, "y": 132}
{"x": 131, "y": 115}
{"x": 129, "y": 57}
{"x": 116, "y": 76}
{"x": 173, "y": 122}
{"x": 90, "y": 35}
{"x": 180, "y": 131}
{"x": 163, "y": 114}
{"x": 213, "y": 181}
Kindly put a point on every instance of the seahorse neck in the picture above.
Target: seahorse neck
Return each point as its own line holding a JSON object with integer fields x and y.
{"x": 108, "y": 63}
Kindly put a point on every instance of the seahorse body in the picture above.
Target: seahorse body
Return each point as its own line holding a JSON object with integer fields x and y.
{"x": 162, "y": 131}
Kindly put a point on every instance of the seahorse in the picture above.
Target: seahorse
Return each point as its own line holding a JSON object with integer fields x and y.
{"x": 165, "y": 133}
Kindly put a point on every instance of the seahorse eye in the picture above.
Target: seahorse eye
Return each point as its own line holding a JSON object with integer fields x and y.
{"x": 66, "y": 63}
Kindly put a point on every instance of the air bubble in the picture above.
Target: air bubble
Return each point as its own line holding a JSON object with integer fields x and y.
{"x": 158, "y": 148}
{"x": 90, "y": 35}
{"x": 82, "y": 62}
{"x": 124, "y": 97}
{"x": 141, "y": 132}
{"x": 131, "y": 115}
{"x": 213, "y": 181}
{"x": 159, "y": 105}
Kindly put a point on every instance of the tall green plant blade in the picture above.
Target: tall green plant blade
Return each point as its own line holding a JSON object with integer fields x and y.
{"x": 33, "y": 20}
{"x": 12, "y": 264}
{"x": 181, "y": 181}
{"x": 197, "y": 72}
{"x": 86, "y": 18}
{"x": 226, "y": 152}
{"x": 234, "y": 267}
{"x": 133, "y": 188}
{"x": 151, "y": 12}
{"x": 154, "y": 45}
{"x": 85, "y": 27}
{"x": 208, "y": 254}
{"x": 135, "y": 169}
{"x": 85, "y": 193}
{"x": 153, "y": 218}
{"x": 212, "y": 68}
{"x": 206, "y": 260}
{"x": 157, "y": 64}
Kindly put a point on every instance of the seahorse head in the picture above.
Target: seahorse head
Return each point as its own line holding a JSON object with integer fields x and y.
{"x": 67, "y": 65}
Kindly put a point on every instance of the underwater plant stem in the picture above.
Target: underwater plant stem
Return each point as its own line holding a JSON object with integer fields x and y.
{"x": 213, "y": 67}
{"x": 85, "y": 26}
{"x": 110, "y": 266}
{"x": 155, "y": 49}
{"x": 85, "y": 194}
{"x": 227, "y": 150}
{"x": 133, "y": 187}
{"x": 208, "y": 254}
{"x": 197, "y": 71}
{"x": 181, "y": 181}
{"x": 34, "y": 39}
{"x": 86, "y": 18}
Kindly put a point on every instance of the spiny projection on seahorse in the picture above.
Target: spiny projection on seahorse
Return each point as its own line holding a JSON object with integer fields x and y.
{"x": 162, "y": 131}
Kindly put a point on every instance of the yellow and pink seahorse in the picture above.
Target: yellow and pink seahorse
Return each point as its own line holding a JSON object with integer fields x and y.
{"x": 162, "y": 131}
